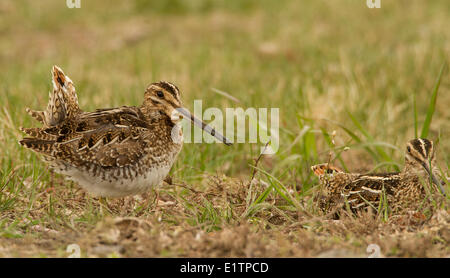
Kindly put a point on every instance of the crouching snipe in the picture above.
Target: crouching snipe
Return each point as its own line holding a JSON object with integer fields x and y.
{"x": 402, "y": 190}
{"x": 111, "y": 152}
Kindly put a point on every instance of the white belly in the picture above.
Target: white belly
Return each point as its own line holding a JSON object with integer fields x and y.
{"x": 110, "y": 187}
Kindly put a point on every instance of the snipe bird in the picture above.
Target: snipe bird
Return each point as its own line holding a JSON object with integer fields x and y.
{"x": 111, "y": 152}
{"x": 401, "y": 190}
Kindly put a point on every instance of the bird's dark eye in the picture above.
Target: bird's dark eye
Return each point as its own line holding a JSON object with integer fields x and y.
{"x": 408, "y": 149}
{"x": 160, "y": 94}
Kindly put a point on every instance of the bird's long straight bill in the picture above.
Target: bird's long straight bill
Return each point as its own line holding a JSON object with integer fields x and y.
{"x": 201, "y": 124}
{"x": 434, "y": 179}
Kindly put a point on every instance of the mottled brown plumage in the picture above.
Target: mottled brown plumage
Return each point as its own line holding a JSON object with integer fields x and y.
{"x": 110, "y": 152}
{"x": 405, "y": 189}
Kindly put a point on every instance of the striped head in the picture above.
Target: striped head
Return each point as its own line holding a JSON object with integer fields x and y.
{"x": 166, "y": 97}
{"x": 420, "y": 160}
{"x": 419, "y": 155}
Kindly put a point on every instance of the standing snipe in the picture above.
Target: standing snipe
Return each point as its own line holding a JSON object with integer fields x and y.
{"x": 401, "y": 189}
{"x": 111, "y": 152}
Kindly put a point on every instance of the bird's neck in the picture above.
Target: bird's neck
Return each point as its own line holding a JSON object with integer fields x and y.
{"x": 154, "y": 114}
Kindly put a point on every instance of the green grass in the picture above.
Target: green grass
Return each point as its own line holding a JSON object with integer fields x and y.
{"x": 432, "y": 105}
{"x": 349, "y": 81}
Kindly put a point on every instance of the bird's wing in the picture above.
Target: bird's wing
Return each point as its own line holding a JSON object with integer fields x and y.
{"x": 110, "y": 145}
{"x": 108, "y": 137}
{"x": 367, "y": 190}
{"x": 125, "y": 115}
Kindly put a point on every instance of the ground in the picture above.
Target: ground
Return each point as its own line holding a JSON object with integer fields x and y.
{"x": 352, "y": 84}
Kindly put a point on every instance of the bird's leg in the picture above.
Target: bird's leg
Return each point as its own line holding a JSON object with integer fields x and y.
{"x": 155, "y": 199}
{"x": 52, "y": 179}
{"x": 104, "y": 205}
{"x": 52, "y": 182}
{"x": 155, "y": 202}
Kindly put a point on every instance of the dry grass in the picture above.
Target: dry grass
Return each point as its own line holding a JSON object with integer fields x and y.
{"x": 191, "y": 226}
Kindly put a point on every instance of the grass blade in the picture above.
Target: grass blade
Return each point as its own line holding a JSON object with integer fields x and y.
{"x": 432, "y": 106}
{"x": 369, "y": 137}
{"x": 416, "y": 124}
